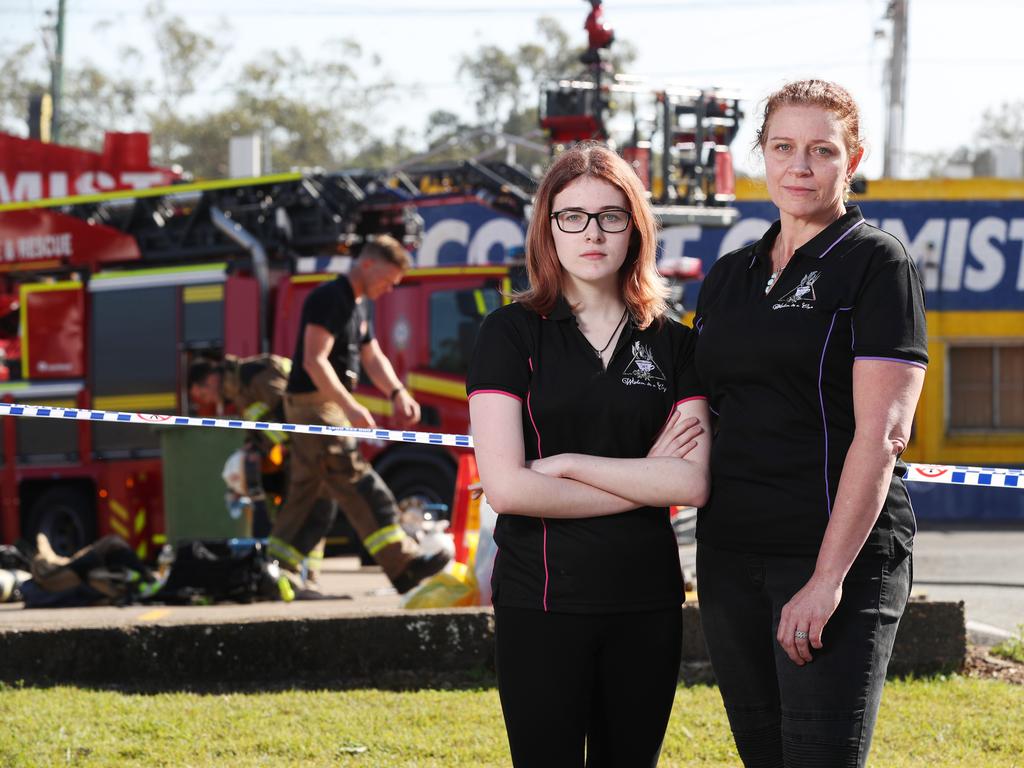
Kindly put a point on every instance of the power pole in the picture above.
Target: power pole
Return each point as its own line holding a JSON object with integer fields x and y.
{"x": 57, "y": 75}
{"x": 893, "y": 164}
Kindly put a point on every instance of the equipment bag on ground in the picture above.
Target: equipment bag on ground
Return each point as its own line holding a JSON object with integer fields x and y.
{"x": 214, "y": 571}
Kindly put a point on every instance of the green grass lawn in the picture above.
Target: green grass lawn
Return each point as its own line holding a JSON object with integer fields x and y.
{"x": 1013, "y": 648}
{"x": 935, "y": 722}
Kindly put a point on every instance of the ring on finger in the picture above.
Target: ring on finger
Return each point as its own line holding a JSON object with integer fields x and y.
{"x": 800, "y": 635}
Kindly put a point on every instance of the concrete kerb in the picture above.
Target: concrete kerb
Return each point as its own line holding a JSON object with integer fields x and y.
{"x": 408, "y": 649}
{"x": 979, "y": 633}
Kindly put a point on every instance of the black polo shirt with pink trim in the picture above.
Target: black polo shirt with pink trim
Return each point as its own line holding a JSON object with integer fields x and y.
{"x": 778, "y": 370}
{"x": 624, "y": 562}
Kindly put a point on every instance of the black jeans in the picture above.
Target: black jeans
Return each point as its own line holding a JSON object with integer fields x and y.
{"x": 600, "y": 682}
{"x": 823, "y": 713}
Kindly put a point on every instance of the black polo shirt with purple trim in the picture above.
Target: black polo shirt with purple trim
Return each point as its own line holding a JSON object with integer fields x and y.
{"x": 778, "y": 372}
{"x": 570, "y": 404}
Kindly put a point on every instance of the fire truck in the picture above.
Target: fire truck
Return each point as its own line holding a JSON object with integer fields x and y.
{"x": 680, "y": 136}
{"x": 107, "y": 298}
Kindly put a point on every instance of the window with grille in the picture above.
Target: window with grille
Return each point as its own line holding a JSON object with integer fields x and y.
{"x": 986, "y": 387}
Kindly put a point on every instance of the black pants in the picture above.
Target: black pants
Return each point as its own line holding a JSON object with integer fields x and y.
{"x": 603, "y": 683}
{"x": 819, "y": 715}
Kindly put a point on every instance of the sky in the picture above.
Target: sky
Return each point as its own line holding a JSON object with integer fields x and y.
{"x": 962, "y": 57}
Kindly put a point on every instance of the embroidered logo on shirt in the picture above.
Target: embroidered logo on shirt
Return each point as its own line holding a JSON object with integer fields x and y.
{"x": 643, "y": 370}
{"x": 801, "y": 297}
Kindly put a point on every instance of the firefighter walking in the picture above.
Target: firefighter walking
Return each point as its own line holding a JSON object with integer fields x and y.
{"x": 335, "y": 342}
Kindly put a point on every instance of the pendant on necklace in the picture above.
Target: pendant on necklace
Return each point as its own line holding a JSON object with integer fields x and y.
{"x": 771, "y": 281}
{"x": 600, "y": 352}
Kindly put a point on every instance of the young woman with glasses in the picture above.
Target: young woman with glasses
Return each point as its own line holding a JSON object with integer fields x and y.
{"x": 588, "y": 423}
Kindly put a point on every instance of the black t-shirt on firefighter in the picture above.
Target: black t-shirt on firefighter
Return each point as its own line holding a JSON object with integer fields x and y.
{"x": 624, "y": 562}
{"x": 778, "y": 371}
{"x": 333, "y": 306}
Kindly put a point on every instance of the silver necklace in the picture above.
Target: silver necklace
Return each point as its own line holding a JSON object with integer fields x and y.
{"x": 775, "y": 274}
{"x": 600, "y": 352}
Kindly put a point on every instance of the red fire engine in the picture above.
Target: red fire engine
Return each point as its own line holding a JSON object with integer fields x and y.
{"x": 111, "y": 296}
{"x": 689, "y": 172}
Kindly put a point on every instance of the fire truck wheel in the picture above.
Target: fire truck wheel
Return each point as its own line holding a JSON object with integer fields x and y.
{"x": 67, "y": 518}
{"x": 432, "y": 484}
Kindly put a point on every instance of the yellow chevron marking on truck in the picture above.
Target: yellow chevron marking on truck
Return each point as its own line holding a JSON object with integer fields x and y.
{"x": 118, "y": 509}
{"x": 119, "y": 528}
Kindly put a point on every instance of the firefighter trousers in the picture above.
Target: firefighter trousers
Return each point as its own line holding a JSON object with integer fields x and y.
{"x": 331, "y": 467}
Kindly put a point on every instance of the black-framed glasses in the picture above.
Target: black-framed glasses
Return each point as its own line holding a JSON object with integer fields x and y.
{"x": 610, "y": 220}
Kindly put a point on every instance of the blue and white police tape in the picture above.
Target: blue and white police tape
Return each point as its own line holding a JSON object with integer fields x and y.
{"x": 360, "y": 433}
{"x": 984, "y": 476}
{"x": 919, "y": 473}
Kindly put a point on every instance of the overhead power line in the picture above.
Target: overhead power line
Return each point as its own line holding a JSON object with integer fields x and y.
{"x": 427, "y": 9}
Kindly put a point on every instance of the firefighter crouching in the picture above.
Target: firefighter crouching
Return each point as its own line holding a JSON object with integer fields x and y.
{"x": 255, "y": 386}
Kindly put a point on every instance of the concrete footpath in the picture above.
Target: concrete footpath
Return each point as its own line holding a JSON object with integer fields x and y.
{"x": 357, "y": 636}
{"x": 981, "y": 563}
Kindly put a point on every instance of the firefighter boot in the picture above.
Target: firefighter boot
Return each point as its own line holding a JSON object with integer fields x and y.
{"x": 401, "y": 558}
{"x": 49, "y": 570}
{"x": 45, "y": 551}
{"x": 315, "y": 562}
{"x": 294, "y": 570}
{"x": 287, "y": 556}
{"x": 301, "y": 588}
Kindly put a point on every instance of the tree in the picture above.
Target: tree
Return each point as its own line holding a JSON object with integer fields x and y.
{"x": 19, "y": 79}
{"x": 93, "y": 100}
{"x": 185, "y": 54}
{"x": 313, "y": 112}
{"x": 936, "y": 164}
{"x": 506, "y": 84}
{"x": 1003, "y": 125}
{"x": 317, "y": 110}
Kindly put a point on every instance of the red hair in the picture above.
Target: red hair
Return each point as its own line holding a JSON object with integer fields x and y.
{"x": 643, "y": 289}
{"x": 817, "y": 93}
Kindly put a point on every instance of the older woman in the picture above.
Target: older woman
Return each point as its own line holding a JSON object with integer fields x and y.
{"x": 812, "y": 351}
{"x": 586, "y": 419}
